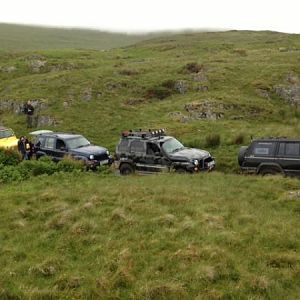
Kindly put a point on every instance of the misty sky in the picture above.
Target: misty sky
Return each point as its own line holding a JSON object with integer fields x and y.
{"x": 152, "y": 15}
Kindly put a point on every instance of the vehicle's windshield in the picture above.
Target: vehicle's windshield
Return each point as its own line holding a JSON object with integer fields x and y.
{"x": 77, "y": 142}
{"x": 6, "y": 133}
{"x": 172, "y": 145}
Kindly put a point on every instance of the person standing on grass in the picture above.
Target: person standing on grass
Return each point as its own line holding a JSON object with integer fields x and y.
{"x": 28, "y": 148}
{"x": 24, "y": 148}
{"x": 21, "y": 147}
{"x": 29, "y": 111}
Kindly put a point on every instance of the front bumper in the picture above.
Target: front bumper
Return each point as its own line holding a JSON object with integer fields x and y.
{"x": 97, "y": 163}
{"x": 206, "y": 165}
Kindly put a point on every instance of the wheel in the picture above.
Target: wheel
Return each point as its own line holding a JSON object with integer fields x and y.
{"x": 269, "y": 171}
{"x": 181, "y": 170}
{"x": 126, "y": 169}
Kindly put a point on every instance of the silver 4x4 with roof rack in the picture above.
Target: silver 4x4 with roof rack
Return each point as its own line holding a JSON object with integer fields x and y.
{"x": 271, "y": 156}
{"x": 153, "y": 151}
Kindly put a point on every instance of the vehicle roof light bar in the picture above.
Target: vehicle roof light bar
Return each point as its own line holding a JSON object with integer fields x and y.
{"x": 144, "y": 134}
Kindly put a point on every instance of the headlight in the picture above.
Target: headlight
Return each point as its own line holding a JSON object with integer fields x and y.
{"x": 196, "y": 162}
{"x": 107, "y": 152}
{"x": 92, "y": 157}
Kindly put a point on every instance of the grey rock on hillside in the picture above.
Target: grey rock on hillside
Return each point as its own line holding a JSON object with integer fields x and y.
{"x": 290, "y": 94}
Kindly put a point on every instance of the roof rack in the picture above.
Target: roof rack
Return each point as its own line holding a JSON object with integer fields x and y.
{"x": 270, "y": 138}
{"x": 144, "y": 134}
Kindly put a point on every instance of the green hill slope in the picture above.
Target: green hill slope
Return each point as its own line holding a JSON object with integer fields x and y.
{"x": 235, "y": 84}
{"x": 26, "y": 38}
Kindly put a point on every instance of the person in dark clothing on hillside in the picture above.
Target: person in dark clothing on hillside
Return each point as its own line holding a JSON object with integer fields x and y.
{"x": 24, "y": 148}
{"x": 21, "y": 147}
{"x": 28, "y": 110}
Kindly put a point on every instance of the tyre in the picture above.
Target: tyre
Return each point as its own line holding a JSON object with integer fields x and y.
{"x": 126, "y": 169}
{"x": 269, "y": 171}
{"x": 181, "y": 170}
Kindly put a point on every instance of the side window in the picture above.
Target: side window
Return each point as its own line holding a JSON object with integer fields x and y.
{"x": 292, "y": 149}
{"x": 152, "y": 149}
{"x": 123, "y": 145}
{"x": 289, "y": 149}
{"x": 49, "y": 143}
{"x": 40, "y": 141}
{"x": 281, "y": 149}
{"x": 60, "y": 144}
{"x": 137, "y": 147}
{"x": 263, "y": 148}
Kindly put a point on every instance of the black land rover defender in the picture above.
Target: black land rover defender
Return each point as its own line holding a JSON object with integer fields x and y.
{"x": 58, "y": 145}
{"x": 271, "y": 156}
{"x": 153, "y": 151}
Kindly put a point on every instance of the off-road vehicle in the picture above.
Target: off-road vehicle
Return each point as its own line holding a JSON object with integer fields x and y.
{"x": 8, "y": 139}
{"x": 271, "y": 156}
{"x": 58, "y": 145}
{"x": 153, "y": 151}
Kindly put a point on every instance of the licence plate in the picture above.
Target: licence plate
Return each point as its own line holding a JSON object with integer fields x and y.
{"x": 104, "y": 162}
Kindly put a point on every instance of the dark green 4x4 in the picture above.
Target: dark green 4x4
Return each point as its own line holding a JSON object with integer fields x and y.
{"x": 271, "y": 156}
{"x": 153, "y": 151}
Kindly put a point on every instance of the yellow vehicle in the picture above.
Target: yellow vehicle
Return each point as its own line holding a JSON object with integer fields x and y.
{"x": 8, "y": 140}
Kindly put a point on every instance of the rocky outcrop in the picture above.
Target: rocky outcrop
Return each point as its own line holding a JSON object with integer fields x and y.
{"x": 8, "y": 69}
{"x": 179, "y": 116}
{"x": 45, "y": 121}
{"x": 201, "y": 88}
{"x": 16, "y": 107}
{"x": 38, "y": 119}
{"x": 199, "y": 110}
{"x": 200, "y": 77}
{"x": 207, "y": 109}
{"x": 87, "y": 94}
{"x": 290, "y": 94}
{"x": 37, "y": 65}
{"x": 289, "y": 91}
{"x": 264, "y": 93}
{"x": 11, "y": 106}
{"x": 181, "y": 87}
{"x": 214, "y": 110}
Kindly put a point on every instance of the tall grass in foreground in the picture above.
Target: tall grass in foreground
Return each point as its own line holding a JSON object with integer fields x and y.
{"x": 209, "y": 236}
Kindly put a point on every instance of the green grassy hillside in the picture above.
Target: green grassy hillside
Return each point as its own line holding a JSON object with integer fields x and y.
{"x": 27, "y": 38}
{"x": 165, "y": 82}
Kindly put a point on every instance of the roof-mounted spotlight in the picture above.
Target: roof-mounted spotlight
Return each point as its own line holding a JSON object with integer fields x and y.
{"x": 125, "y": 133}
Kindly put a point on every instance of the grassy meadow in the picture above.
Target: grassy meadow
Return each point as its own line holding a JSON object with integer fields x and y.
{"x": 211, "y": 236}
{"x": 100, "y": 236}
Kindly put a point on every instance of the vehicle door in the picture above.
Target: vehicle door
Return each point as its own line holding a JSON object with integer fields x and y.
{"x": 138, "y": 154}
{"x": 60, "y": 150}
{"x": 123, "y": 148}
{"x": 288, "y": 157}
{"x": 49, "y": 147}
{"x": 39, "y": 145}
{"x": 154, "y": 158}
{"x": 259, "y": 152}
